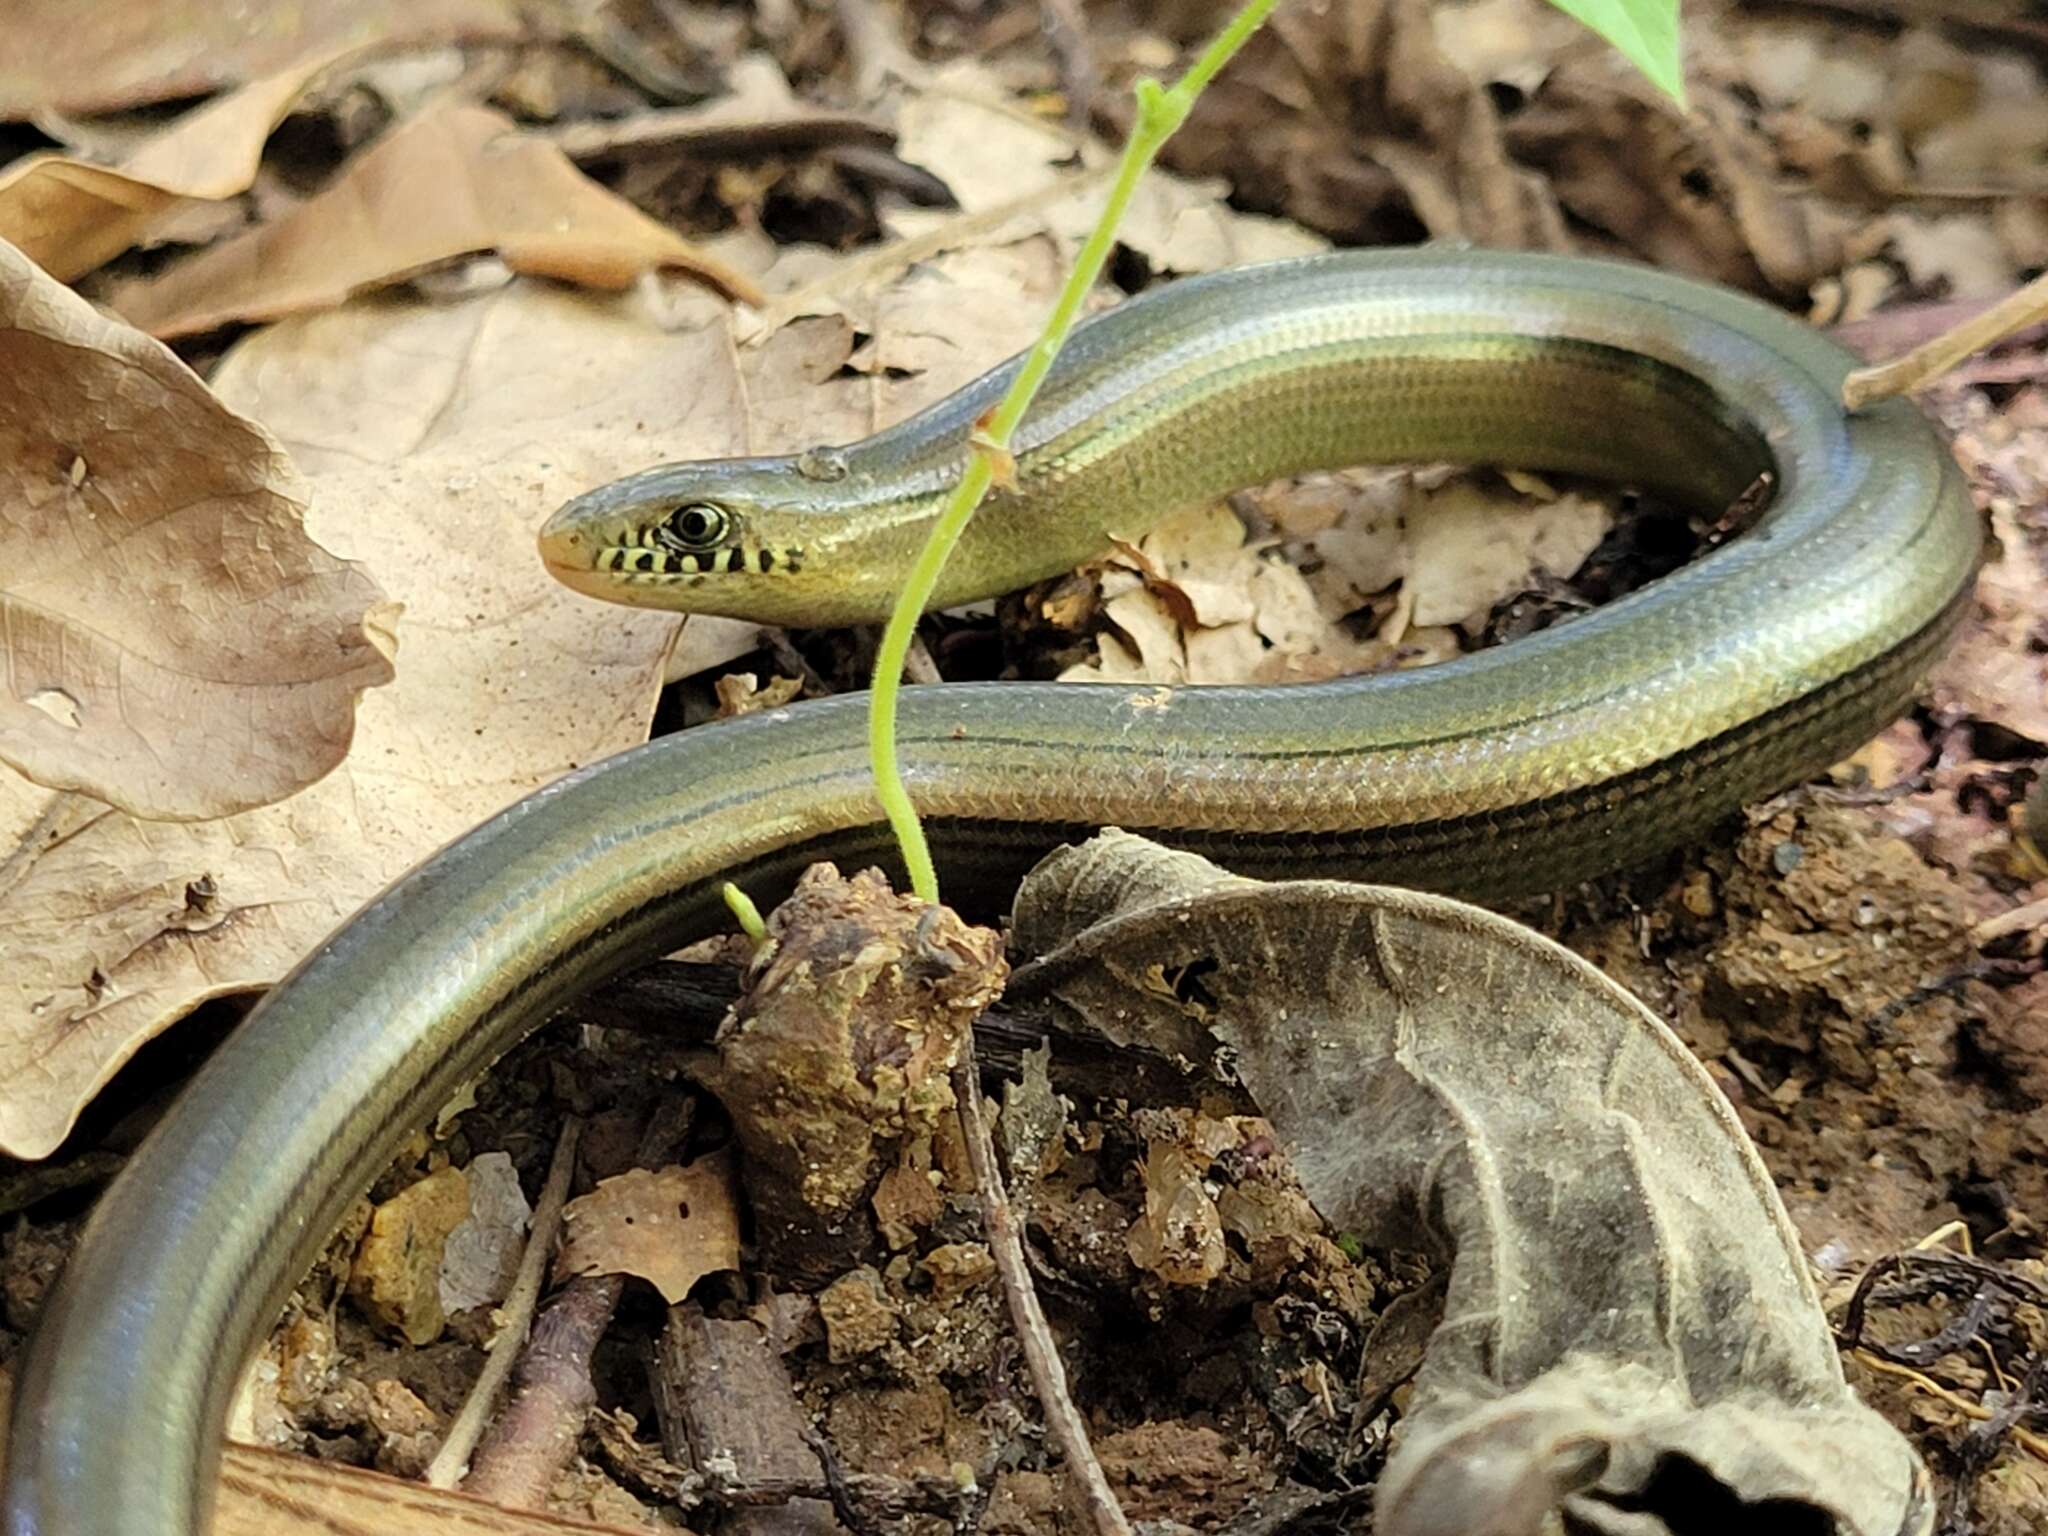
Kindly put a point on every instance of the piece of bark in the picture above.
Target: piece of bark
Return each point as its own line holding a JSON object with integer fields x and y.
{"x": 727, "y": 1408}
{"x": 271, "y": 1493}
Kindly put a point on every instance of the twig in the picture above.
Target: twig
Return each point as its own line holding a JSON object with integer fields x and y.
{"x": 1902, "y": 375}
{"x": 549, "y": 1398}
{"x": 2036, "y": 1443}
{"x": 2033, "y": 914}
{"x": 445, "y": 1471}
{"x": 1066, "y": 34}
{"x": 1041, "y": 1355}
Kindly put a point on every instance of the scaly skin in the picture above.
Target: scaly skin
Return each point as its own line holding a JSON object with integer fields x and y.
{"x": 1589, "y": 746}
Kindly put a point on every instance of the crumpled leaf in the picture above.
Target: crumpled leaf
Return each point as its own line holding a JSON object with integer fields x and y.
{"x": 446, "y": 184}
{"x": 671, "y": 1227}
{"x": 1625, "y": 1292}
{"x": 1352, "y": 119}
{"x": 171, "y": 640}
{"x": 1470, "y": 547}
{"x": 1195, "y": 601}
{"x": 1697, "y": 191}
{"x": 141, "y": 51}
{"x": 70, "y": 216}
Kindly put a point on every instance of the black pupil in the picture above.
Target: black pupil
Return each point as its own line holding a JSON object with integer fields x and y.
{"x": 696, "y": 524}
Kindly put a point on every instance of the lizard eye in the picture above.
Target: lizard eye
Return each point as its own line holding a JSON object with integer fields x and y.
{"x": 699, "y": 525}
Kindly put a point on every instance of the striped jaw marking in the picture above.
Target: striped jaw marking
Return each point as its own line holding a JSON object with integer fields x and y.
{"x": 650, "y": 558}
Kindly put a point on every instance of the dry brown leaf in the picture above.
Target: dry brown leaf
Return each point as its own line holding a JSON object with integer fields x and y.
{"x": 1352, "y": 119}
{"x": 444, "y": 185}
{"x": 757, "y": 112}
{"x": 70, "y": 216}
{"x": 1694, "y": 191}
{"x": 140, "y": 51}
{"x": 671, "y": 1228}
{"x": 1997, "y": 670}
{"x": 436, "y": 438}
{"x": 171, "y": 641}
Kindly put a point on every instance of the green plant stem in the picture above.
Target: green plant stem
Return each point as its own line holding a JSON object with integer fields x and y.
{"x": 1160, "y": 111}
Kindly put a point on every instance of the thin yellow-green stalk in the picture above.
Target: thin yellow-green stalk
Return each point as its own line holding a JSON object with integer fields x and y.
{"x": 1161, "y": 109}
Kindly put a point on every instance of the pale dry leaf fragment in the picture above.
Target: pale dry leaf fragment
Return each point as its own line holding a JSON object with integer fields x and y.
{"x": 1996, "y": 670}
{"x": 482, "y": 1255}
{"x": 172, "y": 641}
{"x": 1179, "y": 1236}
{"x": 990, "y": 155}
{"x": 1470, "y": 548}
{"x": 1960, "y": 254}
{"x": 447, "y": 184}
{"x": 138, "y": 51}
{"x": 70, "y": 216}
{"x": 670, "y": 1227}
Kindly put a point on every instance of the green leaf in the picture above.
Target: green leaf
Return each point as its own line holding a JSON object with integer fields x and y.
{"x": 1646, "y": 32}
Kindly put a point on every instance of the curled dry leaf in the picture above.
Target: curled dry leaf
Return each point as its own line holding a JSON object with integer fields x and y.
{"x": 1195, "y": 602}
{"x": 173, "y": 642}
{"x": 1625, "y": 1292}
{"x": 70, "y": 216}
{"x": 436, "y": 439}
{"x": 1695, "y": 191}
{"x": 1352, "y": 118}
{"x": 670, "y": 1227}
{"x": 141, "y": 51}
{"x": 444, "y": 185}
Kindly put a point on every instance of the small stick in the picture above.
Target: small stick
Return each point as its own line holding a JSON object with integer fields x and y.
{"x": 2016, "y": 311}
{"x": 1066, "y": 34}
{"x": 2034, "y": 913}
{"x": 1041, "y": 1355}
{"x": 446, "y": 1469}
